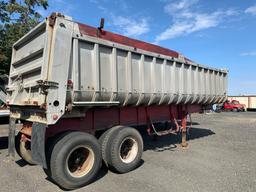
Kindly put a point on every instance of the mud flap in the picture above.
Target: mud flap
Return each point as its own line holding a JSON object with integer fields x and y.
{"x": 11, "y": 138}
{"x": 38, "y": 144}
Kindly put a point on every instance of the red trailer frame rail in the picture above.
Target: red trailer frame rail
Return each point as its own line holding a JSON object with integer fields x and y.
{"x": 128, "y": 116}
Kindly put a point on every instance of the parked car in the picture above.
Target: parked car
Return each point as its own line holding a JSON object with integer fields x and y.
{"x": 233, "y": 105}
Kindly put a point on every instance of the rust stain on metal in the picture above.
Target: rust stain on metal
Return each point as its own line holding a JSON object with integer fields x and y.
{"x": 27, "y": 102}
{"x": 27, "y": 128}
{"x": 52, "y": 18}
{"x": 35, "y": 102}
{"x": 43, "y": 106}
{"x": 24, "y": 138}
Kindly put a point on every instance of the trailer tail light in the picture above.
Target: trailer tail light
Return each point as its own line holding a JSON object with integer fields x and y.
{"x": 55, "y": 117}
{"x": 70, "y": 84}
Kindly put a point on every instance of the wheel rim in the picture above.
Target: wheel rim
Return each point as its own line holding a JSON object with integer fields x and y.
{"x": 25, "y": 151}
{"x": 128, "y": 150}
{"x": 80, "y": 161}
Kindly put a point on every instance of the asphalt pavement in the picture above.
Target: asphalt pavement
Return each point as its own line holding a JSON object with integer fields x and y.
{"x": 221, "y": 157}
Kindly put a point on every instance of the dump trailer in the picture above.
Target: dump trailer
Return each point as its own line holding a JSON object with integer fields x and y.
{"x": 80, "y": 91}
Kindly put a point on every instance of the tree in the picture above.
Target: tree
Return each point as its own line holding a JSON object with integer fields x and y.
{"x": 16, "y": 19}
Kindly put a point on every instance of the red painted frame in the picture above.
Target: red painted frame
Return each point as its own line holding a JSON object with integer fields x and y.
{"x": 103, "y": 118}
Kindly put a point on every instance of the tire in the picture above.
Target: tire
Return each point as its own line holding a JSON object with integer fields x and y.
{"x": 17, "y": 143}
{"x": 125, "y": 150}
{"x": 104, "y": 141}
{"x": 23, "y": 149}
{"x": 25, "y": 152}
{"x": 50, "y": 143}
{"x": 235, "y": 110}
{"x": 75, "y": 160}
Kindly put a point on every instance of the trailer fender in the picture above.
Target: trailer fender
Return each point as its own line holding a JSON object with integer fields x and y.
{"x": 38, "y": 144}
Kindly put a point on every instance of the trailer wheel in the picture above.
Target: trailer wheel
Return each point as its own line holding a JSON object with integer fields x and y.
{"x": 50, "y": 143}
{"x": 23, "y": 149}
{"x": 75, "y": 160}
{"x": 125, "y": 150}
{"x": 17, "y": 143}
{"x": 235, "y": 110}
{"x": 104, "y": 141}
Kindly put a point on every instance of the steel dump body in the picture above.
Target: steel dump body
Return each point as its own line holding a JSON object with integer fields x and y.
{"x": 62, "y": 64}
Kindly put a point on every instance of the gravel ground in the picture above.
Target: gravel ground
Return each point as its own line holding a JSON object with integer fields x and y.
{"x": 221, "y": 157}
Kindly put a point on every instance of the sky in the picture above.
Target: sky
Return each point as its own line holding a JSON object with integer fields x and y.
{"x": 219, "y": 34}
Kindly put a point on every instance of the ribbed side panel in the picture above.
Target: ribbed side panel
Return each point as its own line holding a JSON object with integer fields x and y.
{"x": 107, "y": 73}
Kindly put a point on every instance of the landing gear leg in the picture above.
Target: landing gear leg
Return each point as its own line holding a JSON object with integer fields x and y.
{"x": 184, "y": 143}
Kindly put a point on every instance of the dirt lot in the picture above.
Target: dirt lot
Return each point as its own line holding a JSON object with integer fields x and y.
{"x": 221, "y": 157}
